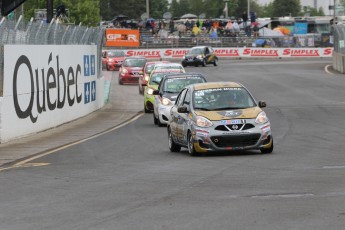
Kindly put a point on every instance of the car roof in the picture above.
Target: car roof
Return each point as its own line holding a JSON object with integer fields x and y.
{"x": 135, "y": 57}
{"x": 156, "y": 62}
{"x": 212, "y": 85}
{"x": 199, "y": 47}
{"x": 172, "y": 75}
{"x": 168, "y": 64}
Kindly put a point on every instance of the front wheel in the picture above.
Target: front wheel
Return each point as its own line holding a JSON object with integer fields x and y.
{"x": 184, "y": 64}
{"x": 191, "y": 148}
{"x": 267, "y": 150}
{"x": 215, "y": 63}
{"x": 155, "y": 120}
{"x": 145, "y": 109}
{"x": 204, "y": 63}
{"x": 172, "y": 145}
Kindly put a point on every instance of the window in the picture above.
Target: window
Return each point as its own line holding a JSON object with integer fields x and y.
{"x": 180, "y": 97}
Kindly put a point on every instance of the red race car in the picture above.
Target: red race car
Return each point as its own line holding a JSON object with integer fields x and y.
{"x": 132, "y": 68}
{"x": 112, "y": 59}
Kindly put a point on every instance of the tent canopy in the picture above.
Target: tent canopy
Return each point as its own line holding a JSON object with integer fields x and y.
{"x": 189, "y": 16}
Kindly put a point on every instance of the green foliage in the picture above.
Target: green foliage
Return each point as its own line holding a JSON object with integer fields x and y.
{"x": 283, "y": 8}
{"x": 86, "y": 12}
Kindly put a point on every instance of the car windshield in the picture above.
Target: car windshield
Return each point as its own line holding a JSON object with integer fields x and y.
{"x": 134, "y": 62}
{"x": 156, "y": 78}
{"x": 196, "y": 51}
{"x": 149, "y": 68}
{"x": 222, "y": 99}
{"x": 174, "y": 85}
{"x": 116, "y": 54}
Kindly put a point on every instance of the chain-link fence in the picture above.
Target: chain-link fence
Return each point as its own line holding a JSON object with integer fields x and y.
{"x": 41, "y": 33}
{"x": 339, "y": 48}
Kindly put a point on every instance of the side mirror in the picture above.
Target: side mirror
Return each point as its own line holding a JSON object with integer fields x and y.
{"x": 155, "y": 92}
{"x": 182, "y": 109}
{"x": 262, "y": 104}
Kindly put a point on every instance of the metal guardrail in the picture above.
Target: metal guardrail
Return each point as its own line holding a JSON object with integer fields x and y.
{"x": 41, "y": 33}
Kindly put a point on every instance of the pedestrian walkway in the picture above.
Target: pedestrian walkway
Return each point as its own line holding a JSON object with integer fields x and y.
{"x": 124, "y": 104}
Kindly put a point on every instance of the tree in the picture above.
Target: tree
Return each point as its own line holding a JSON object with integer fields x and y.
{"x": 86, "y": 12}
{"x": 286, "y": 8}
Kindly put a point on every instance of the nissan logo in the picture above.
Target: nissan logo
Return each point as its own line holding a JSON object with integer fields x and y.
{"x": 235, "y": 127}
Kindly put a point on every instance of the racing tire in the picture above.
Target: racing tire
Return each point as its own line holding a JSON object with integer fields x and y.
{"x": 155, "y": 120}
{"x": 172, "y": 145}
{"x": 184, "y": 64}
{"x": 196, "y": 64}
{"x": 120, "y": 82}
{"x": 215, "y": 63}
{"x": 159, "y": 123}
{"x": 191, "y": 150}
{"x": 140, "y": 92}
{"x": 267, "y": 150}
{"x": 146, "y": 110}
{"x": 107, "y": 67}
{"x": 203, "y": 63}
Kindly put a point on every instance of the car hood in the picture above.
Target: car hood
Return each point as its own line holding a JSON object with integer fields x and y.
{"x": 230, "y": 114}
{"x": 171, "y": 96}
{"x": 134, "y": 69}
{"x": 192, "y": 55}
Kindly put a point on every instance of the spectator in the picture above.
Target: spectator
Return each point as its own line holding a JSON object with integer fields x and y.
{"x": 228, "y": 28}
{"x": 236, "y": 28}
{"x": 213, "y": 33}
{"x": 171, "y": 26}
{"x": 244, "y": 19}
{"x": 196, "y": 30}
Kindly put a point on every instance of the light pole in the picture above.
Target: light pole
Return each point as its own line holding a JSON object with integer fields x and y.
{"x": 147, "y": 9}
{"x": 248, "y": 3}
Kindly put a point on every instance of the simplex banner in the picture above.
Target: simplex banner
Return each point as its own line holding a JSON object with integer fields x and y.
{"x": 237, "y": 52}
{"x": 47, "y": 85}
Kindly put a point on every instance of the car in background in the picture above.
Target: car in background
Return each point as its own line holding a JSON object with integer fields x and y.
{"x": 166, "y": 94}
{"x": 200, "y": 55}
{"x": 218, "y": 116}
{"x": 155, "y": 77}
{"x": 147, "y": 70}
{"x": 112, "y": 59}
{"x": 131, "y": 69}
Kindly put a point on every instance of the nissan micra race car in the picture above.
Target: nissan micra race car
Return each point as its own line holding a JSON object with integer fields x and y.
{"x": 218, "y": 116}
{"x": 166, "y": 94}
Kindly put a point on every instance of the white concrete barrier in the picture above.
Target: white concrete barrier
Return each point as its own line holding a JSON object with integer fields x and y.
{"x": 48, "y": 85}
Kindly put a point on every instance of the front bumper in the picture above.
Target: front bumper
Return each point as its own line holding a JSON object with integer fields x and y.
{"x": 164, "y": 113}
{"x": 129, "y": 78}
{"x": 192, "y": 61}
{"x": 211, "y": 139}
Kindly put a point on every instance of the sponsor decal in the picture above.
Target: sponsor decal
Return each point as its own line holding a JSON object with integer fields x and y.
{"x": 175, "y": 53}
{"x": 227, "y": 52}
{"x": 145, "y": 53}
{"x": 121, "y": 37}
{"x": 231, "y": 122}
{"x": 231, "y": 113}
{"x": 261, "y": 52}
{"x": 301, "y": 52}
{"x": 59, "y": 86}
{"x": 328, "y": 51}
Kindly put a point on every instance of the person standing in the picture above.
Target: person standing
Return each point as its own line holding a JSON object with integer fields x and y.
{"x": 244, "y": 19}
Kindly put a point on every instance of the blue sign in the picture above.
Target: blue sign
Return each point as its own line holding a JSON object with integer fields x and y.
{"x": 93, "y": 91}
{"x": 301, "y": 28}
{"x": 86, "y": 65}
{"x": 93, "y": 64}
{"x": 87, "y": 92}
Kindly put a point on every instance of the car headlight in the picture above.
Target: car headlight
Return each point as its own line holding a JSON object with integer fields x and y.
{"x": 203, "y": 122}
{"x": 150, "y": 91}
{"x": 261, "y": 118}
{"x": 124, "y": 71}
{"x": 200, "y": 56}
{"x": 147, "y": 78}
{"x": 166, "y": 101}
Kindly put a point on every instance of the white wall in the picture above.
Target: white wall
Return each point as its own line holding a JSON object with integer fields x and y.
{"x": 46, "y": 86}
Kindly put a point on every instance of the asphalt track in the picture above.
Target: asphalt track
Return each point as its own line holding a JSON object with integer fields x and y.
{"x": 127, "y": 178}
